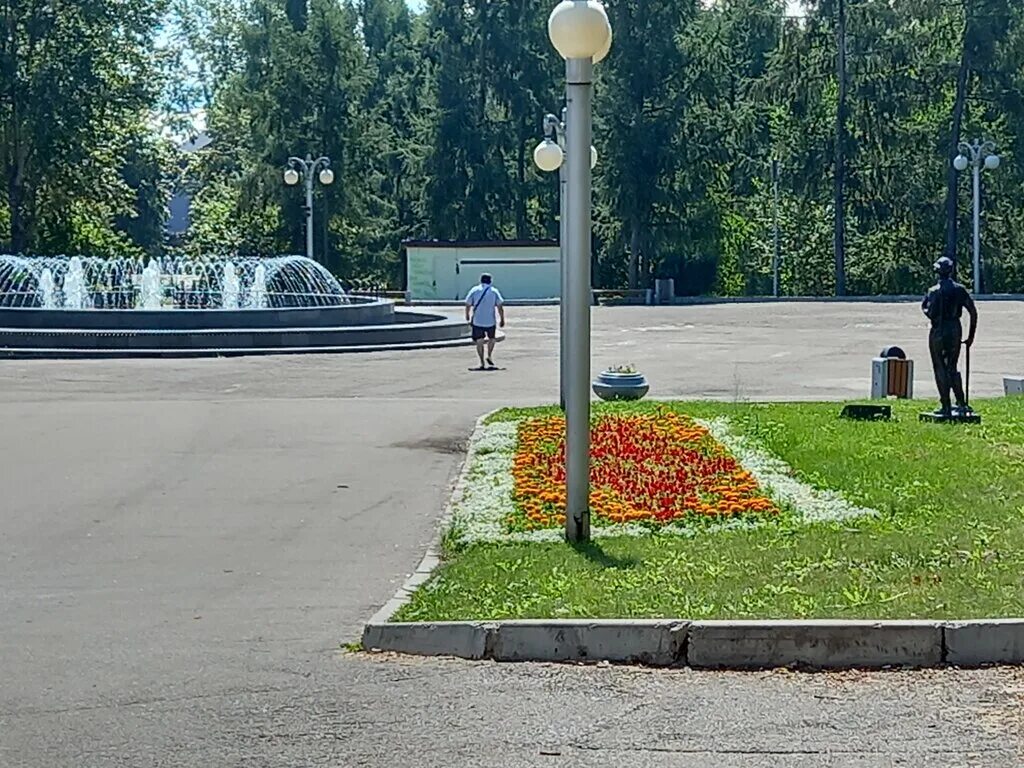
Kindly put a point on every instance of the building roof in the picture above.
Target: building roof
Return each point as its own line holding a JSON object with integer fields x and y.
{"x": 479, "y": 243}
{"x": 195, "y": 143}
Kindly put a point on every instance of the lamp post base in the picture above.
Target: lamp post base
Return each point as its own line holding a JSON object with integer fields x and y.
{"x": 578, "y": 529}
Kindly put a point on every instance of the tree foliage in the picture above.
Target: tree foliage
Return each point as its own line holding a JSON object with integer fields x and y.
{"x": 82, "y": 170}
{"x": 430, "y": 120}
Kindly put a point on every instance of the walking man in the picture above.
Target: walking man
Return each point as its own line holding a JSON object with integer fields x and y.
{"x": 944, "y": 305}
{"x": 482, "y": 303}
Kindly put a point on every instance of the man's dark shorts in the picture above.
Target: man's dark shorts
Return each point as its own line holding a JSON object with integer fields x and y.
{"x": 479, "y": 334}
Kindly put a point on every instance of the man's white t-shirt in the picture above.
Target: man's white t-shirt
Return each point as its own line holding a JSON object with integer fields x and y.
{"x": 486, "y": 299}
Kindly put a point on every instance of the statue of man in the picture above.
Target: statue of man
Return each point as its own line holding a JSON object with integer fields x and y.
{"x": 944, "y": 305}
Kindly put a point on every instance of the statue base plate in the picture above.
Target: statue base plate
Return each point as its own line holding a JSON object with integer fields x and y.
{"x": 955, "y": 418}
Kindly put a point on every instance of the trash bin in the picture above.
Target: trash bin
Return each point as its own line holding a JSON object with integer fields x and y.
{"x": 664, "y": 290}
{"x": 892, "y": 377}
{"x": 891, "y": 351}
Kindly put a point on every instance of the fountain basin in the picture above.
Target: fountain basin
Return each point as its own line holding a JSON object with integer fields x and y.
{"x": 357, "y": 312}
{"x": 253, "y": 332}
{"x": 60, "y": 307}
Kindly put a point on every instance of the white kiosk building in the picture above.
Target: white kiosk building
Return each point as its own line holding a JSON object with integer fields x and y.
{"x": 446, "y": 271}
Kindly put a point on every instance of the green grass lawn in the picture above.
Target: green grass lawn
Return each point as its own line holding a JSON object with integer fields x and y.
{"x": 949, "y": 542}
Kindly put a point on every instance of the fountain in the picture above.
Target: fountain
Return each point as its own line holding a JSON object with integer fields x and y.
{"x": 278, "y": 282}
{"x": 47, "y": 290}
{"x": 76, "y": 295}
{"x": 230, "y": 283}
{"x": 61, "y": 306}
{"x": 151, "y": 294}
{"x": 258, "y": 289}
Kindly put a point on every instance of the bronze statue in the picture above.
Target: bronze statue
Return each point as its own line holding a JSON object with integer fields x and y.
{"x": 944, "y": 305}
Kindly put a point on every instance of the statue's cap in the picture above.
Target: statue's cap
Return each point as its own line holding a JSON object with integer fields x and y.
{"x": 944, "y": 266}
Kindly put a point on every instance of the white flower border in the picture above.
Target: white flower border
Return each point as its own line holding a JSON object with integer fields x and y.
{"x": 482, "y": 500}
{"x": 813, "y": 505}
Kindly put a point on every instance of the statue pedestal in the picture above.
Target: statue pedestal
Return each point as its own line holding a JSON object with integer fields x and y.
{"x": 955, "y": 418}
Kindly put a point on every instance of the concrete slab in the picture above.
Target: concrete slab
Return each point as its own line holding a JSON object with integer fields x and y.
{"x": 815, "y": 644}
{"x": 463, "y": 640}
{"x": 974, "y": 643}
{"x": 654, "y": 643}
{"x": 1013, "y": 385}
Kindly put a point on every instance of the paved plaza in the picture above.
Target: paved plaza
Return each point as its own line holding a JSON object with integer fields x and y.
{"x": 186, "y": 544}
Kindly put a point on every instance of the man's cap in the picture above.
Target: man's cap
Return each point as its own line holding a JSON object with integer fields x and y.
{"x": 944, "y": 266}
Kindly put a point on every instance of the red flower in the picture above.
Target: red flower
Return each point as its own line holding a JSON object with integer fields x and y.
{"x": 655, "y": 468}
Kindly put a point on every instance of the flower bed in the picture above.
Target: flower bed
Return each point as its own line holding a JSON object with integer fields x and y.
{"x": 652, "y": 469}
{"x": 887, "y": 520}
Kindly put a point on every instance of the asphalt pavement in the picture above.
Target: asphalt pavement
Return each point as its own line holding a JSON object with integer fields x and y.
{"x": 185, "y": 545}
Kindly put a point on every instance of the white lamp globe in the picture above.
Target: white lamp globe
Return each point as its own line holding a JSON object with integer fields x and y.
{"x": 960, "y": 163}
{"x": 291, "y": 177}
{"x": 579, "y": 29}
{"x": 992, "y": 162}
{"x": 603, "y": 53}
{"x": 326, "y": 177}
{"x": 548, "y": 156}
{"x": 593, "y": 158}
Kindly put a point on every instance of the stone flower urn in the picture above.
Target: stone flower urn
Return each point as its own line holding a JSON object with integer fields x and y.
{"x": 621, "y": 383}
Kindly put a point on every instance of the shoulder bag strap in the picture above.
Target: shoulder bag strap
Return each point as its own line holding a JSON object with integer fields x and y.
{"x": 481, "y": 298}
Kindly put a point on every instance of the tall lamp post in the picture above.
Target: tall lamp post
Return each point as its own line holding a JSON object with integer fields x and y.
{"x": 306, "y": 169}
{"x": 580, "y": 32}
{"x": 549, "y": 156}
{"x": 777, "y": 250}
{"x": 979, "y": 154}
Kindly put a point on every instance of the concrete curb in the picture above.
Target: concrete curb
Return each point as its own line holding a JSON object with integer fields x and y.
{"x": 819, "y": 644}
{"x": 972, "y": 643}
{"x": 684, "y": 301}
{"x": 824, "y": 644}
{"x": 28, "y": 353}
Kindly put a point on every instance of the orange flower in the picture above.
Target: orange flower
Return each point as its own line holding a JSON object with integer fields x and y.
{"x": 658, "y": 467}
